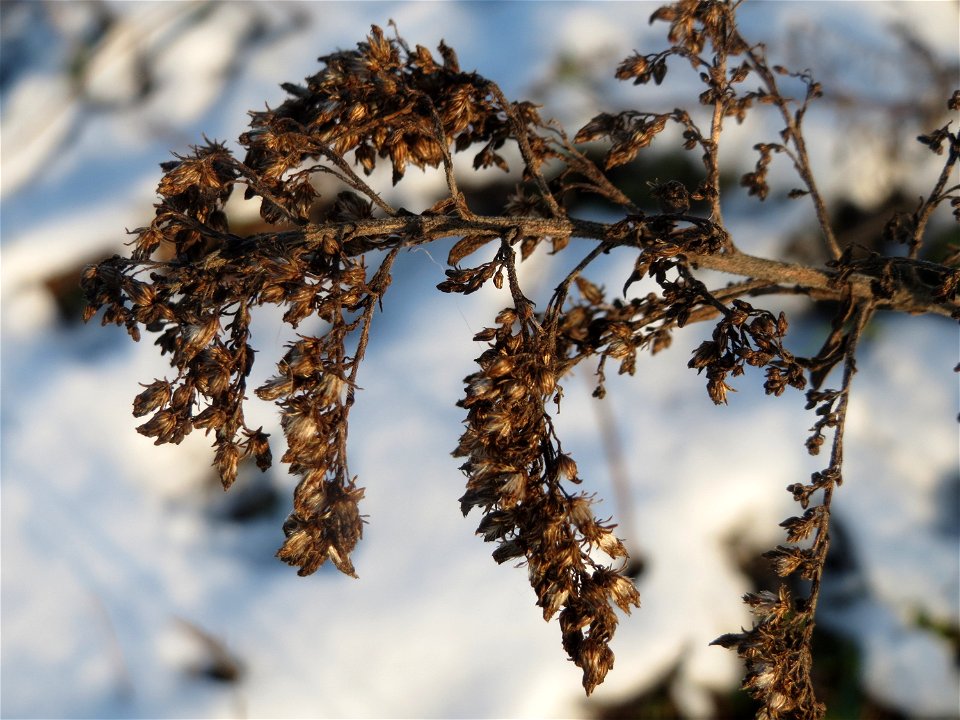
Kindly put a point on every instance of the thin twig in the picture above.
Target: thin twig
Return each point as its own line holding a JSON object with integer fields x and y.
{"x": 601, "y": 184}
{"x": 555, "y": 305}
{"x": 711, "y": 158}
{"x": 802, "y": 162}
{"x": 937, "y": 195}
{"x": 458, "y": 198}
{"x": 354, "y": 180}
{"x": 822, "y": 540}
{"x": 520, "y": 134}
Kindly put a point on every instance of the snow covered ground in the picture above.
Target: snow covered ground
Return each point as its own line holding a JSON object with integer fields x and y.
{"x": 122, "y": 574}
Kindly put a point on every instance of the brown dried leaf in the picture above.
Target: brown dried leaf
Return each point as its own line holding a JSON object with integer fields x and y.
{"x": 466, "y": 246}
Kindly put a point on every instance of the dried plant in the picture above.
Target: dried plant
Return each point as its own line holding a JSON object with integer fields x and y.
{"x": 194, "y": 282}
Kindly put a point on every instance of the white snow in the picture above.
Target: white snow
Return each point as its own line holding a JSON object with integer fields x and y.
{"x": 112, "y": 550}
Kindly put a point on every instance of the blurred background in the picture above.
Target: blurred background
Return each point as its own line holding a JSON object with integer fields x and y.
{"x": 132, "y": 586}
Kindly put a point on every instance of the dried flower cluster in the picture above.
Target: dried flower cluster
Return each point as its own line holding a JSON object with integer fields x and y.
{"x": 194, "y": 283}
{"x": 516, "y": 469}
